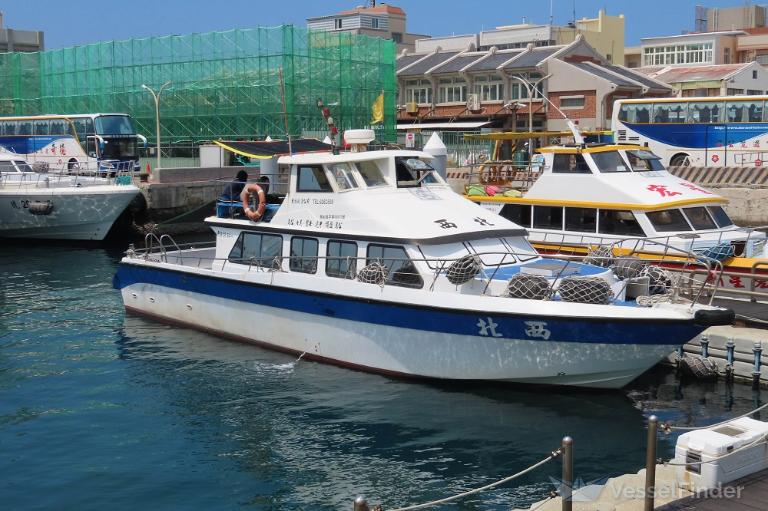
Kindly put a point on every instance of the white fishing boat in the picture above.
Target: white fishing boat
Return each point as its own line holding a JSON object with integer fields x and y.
{"x": 57, "y": 206}
{"x": 372, "y": 262}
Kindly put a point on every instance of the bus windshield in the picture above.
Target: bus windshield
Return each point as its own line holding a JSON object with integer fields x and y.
{"x": 114, "y": 125}
{"x": 120, "y": 149}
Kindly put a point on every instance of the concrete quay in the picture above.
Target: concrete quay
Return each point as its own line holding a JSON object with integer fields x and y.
{"x": 175, "y": 200}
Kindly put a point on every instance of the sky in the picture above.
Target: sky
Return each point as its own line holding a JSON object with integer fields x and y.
{"x": 76, "y": 22}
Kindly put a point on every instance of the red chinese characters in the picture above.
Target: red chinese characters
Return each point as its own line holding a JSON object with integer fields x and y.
{"x": 662, "y": 190}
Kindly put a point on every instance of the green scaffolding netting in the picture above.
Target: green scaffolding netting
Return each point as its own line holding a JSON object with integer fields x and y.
{"x": 223, "y": 84}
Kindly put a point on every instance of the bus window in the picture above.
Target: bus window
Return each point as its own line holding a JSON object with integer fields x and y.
{"x": 42, "y": 127}
{"x": 705, "y": 112}
{"x": 114, "y": 125}
{"x": 635, "y": 113}
{"x": 24, "y": 128}
{"x": 60, "y": 127}
{"x": 669, "y": 112}
{"x": 744, "y": 111}
{"x": 668, "y": 220}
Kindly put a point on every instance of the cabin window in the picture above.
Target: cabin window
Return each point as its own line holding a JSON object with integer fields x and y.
{"x": 699, "y": 218}
{"x": 23, "y": 166}
{"x": 342, "y": 259}
{"x": 312, "y": 179}
{"x": 643, "y": 161}
{"x": 518, "y": 213}
{"x": 371, "y": 173}
{"x": 6, "y": 166}
{"x": 400, "y": 269}
{"x": 618, "y": 221}
{"x": 548, "y": 217}
{"x": 342, "y": 173}
{"x": 303, "y": 255}
{"x": 609, "y": 162}
{"x": 570, "y": 164}
{"x": 411, "y": 172}
{"x": 581, "y": 219}
{"x": 668, "y": 220}
{"x": 721, "y": 217}
{"x": 257, "y": 249}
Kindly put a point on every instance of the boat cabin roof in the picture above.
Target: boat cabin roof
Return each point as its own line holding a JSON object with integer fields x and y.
{"x": 590, "y": 148}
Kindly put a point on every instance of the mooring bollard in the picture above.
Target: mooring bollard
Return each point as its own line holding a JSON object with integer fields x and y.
{"x": 730, "y": 348}
{"x": 705, "y": 346}
{"x": 361, "y": 504}
{"x": 567, "y": 482}
{"x": 757, "y": 351}
{"x": 650, "y": 464}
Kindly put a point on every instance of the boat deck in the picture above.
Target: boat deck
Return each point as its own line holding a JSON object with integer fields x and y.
{"x": 753, "y": 496}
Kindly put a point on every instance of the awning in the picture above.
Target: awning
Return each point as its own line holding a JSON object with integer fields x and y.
{"x": 443, "y": 126}
{"x": 266, "y": 150}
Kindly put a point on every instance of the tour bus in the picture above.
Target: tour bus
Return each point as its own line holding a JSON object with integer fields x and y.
{"x": 101, "y": 143}
{"x": 698, "y": 131}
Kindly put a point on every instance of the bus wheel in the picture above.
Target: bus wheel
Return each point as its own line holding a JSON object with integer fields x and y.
{"x": 679, "y": 160}
{"x": 73, "y": 166}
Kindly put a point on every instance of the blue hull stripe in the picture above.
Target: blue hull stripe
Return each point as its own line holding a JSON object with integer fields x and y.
{"x": 432, "y": 319}
{"x": 701, "y": 136}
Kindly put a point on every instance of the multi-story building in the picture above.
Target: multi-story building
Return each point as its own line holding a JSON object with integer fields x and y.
{"x": 604, "y": 33}
{"x": 505, "y": 88}
{"x": 20, "y": 40}
{"x": 712, "y": 80}
{"x": 707, "y": 48}
{"x": 385, "y": 21}
{"x": 715, "y": 19}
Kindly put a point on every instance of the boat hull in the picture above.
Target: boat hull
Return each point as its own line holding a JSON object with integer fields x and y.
{"x": 76, "y": 213}
{"x": 391, "y": 339}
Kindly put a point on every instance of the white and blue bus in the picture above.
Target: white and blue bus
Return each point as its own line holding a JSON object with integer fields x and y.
{"x": 727, "y": 131}
{"x": 99, "y": 143}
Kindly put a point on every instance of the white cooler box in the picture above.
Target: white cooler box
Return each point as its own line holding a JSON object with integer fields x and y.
{"x": 707, "y": 444}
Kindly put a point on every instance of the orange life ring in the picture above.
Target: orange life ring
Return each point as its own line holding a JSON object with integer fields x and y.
{"x": 247, "y": 194}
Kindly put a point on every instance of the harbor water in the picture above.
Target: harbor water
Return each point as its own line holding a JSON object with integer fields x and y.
{"x": 103, "y": 411}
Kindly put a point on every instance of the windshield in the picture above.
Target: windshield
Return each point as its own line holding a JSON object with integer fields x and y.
{"x": 642, "y": 161}
{"x": 413, "y": 172}
{"x": 120, "y": 149}
{"x": 23, "y": 166}
{"x": 609, "y": 162}
{"x": 115, "y": 125}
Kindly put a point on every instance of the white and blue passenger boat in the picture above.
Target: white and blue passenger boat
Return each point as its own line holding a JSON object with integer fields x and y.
{"x": 371, "y": 261}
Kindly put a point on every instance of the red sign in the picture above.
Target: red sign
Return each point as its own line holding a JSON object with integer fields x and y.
{"x": 715, "y": 158}
{"x": 759, "y": 163}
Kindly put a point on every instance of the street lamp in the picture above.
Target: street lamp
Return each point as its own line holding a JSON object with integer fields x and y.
{"x": 156, "y": 97}
{"x": 532, "y": 90}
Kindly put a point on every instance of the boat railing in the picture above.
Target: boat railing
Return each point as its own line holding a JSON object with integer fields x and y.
{"x": 45, "y": 175}
{"x": 404, "y": 271}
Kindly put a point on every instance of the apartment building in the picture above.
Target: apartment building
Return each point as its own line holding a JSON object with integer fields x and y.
{"x": 383, "y": 20}
{"x": 12, "y": 39}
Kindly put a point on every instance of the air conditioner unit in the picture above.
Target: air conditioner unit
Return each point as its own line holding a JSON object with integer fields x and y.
{"x": 412, "y": 107}
{"x": 473, "y": 102}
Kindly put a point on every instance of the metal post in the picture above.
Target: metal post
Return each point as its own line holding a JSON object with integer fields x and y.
{"x": 705, "y": 346}
{"x": 567, "y": 482}
{"x": 680, "y": 355}
{"x": 156, "y": 97}
{"x": 650, "y": 464}
{"x": 531, "y": 90}
{"x": 730, "y": 348}
{"x": 360, "y": 504}
{"x": 757, "y": 351}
